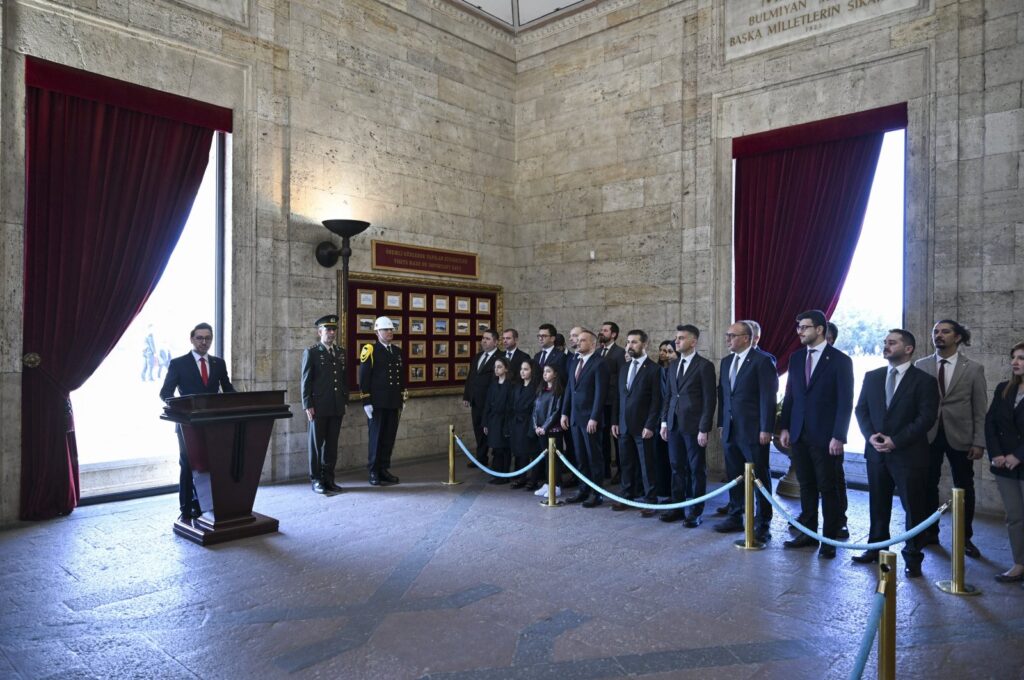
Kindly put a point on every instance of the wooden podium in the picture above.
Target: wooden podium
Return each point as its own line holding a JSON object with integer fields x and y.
{"x": 226, "y": 438}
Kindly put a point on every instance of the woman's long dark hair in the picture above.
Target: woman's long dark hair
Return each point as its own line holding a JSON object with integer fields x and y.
{"x": 556, "y": 388}
{"x": 1013, "y": 384}
{"x": 508, "y": 370}
{"x": 536, "y": 381}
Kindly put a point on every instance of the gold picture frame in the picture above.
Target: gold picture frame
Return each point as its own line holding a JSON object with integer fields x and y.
{"x": 441, "y": 303}
{"x": 366, "y": 298}
{"x": 463, "y": 349}
{"x": 441, "y": 326}
{"x": 417, "y": 349}
{"x": 463, "y": 327}
{"x": 463, "y": 305}
{"x": 417, "y": 373}
{"x": 417, "y": 325}
{"x": 483, "y": 306}
{"x": 461, "y": 371}
{"x": 392, "y": 300}
{"x": 364, "y": 323}
{"x": 417, "y": 302}
{"x": 440, "y": 372}
{"x": 439, "y": 350}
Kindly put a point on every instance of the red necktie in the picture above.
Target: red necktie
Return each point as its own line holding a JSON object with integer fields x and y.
{"x": 202, "y": 371}
{"x": 942, "y": 378}
{"x": 579, "y": 369}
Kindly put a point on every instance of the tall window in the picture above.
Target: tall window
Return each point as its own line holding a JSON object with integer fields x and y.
{"x": 872, "y": 299}
{"x": 122, "y": 443}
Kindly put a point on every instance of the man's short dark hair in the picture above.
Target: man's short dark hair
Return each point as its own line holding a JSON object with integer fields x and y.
{"x": 689, "y": 328}
{"x": 832, "y": 330}
{"x": 201, "y": 327}
{"x": 815, "y": 316}
{"x": 963, "y": 331}
{"x": 513, "y": 331}
{"x": 642, "y": 334}
{"x": 491, "y": 332}
{"x": 614, "y": 326}
{"x": 905, "y": 335}
{"x": 550, "y": 328}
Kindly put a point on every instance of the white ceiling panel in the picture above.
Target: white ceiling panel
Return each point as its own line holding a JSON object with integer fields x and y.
{"x": 516, "y": 14}
{"x": 531, "y": 10}
{"x": 499, "y": 9}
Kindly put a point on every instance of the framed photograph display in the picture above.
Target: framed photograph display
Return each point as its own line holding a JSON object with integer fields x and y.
{"x": 366, "y": 299}
{"x": 437, "y": 324}
{"x": 392, "y": 299}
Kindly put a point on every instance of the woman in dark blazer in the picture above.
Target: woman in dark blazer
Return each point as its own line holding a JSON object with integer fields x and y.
{"x": 1004, "y": 439}
{"x": 498, "y": 418}
{"x": 525, "y": 444}
{"x": 547, "y": 417}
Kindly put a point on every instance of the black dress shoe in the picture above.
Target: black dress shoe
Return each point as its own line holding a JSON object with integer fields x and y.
{"x": 572, "y": 483}
{"x": 803, "y": 541}
{"x": 729, "y": 526}
{"x": 388, "y": 477}
{"x": 673, "y": 515}
{"x": 318, "y": 487}
{"x": 762, "y": 534}
{"x": 532, "y": 486}
{"x": 827, "y": 551}
{"x": 843, "y": 533}
{"x": 374, "y": 480}
{"x": 592, "y": 502}
{"x": 692, "y": 522}
{"x": 497, "y": 481}
{"x": 646, "y": 512}
{"x": 620, "y": 507}
{"x": 971, "y": 550}
{"x": 722, "y": 509}
{"x": 186, "y": 518}
{"x": 329, "y": 485}
{"x": 866, "y": 557}
{"x": 912, "y": 570}
{"x": 517, "y": 484}
{"x": 578, "y": 498}
{"x": 1003, "y": 578}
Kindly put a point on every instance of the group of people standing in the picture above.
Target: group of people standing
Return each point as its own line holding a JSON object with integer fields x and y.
{"x": 602, "y": 401}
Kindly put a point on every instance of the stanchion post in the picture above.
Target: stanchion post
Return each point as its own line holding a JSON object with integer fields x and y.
{"x": 955, "y": 585}
{"x": 887, "y": 624}
{"x": 749, "y": 542}
{"x": 552, "y": 500}
{"x": 451, "y": 457}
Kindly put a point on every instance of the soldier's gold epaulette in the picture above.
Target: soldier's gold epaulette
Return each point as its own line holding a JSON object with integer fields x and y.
{"x": 366, "y": 353}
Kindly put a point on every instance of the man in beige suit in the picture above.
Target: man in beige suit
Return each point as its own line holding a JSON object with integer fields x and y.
{"x": 959, "y": 433}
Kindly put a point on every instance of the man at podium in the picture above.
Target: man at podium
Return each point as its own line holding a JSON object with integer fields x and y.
{"x": 197, "y": 372}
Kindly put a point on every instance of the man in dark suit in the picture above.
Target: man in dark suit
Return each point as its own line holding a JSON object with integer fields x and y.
{"x": 815, "y": 419}
{"x": 197, "y": 372}
{"x": 549, "y": 355}
{"x": 582, "y": 410}
{"x": 959, "y": 432}
{"x": 746, "y": 414}
{"x": 382, "y": 382}
{"x": 324, "y": 390}
{"x": 474, "y": 393}
{"x": 635, "y": 414}
{"x": 687, "y": 417}
{"x": 511, "y": 351}
{"x": 615, "y": 358}
{"x": 898, "y": 405}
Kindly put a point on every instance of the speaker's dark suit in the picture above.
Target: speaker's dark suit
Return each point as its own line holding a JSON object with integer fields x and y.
{"x": 324, "y": 388}
{"x": 584, "y": 401}
{"x": 815, "y": 413}
{"x": 688, "y": 410}
{"x": 475, "y": 392}
{"x": 183, "y": 375}
{"x": 744, "y": 411}
{"x": 637, "y": 408}
{"x": 909, "y": 416}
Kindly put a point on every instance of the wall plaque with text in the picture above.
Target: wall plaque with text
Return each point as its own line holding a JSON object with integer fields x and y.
{"x": 399, "y": 257}
{"x": 755, "y": 25}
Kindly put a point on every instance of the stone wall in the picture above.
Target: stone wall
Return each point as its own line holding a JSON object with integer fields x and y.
{"x": 605, "y": 132}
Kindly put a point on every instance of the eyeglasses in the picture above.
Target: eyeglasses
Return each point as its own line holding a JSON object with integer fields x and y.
{"x": 202, "y": 338}
{"x": 541, "y": 336}
{"x": 803, "y": 327}
{"x": 730, "y": 336}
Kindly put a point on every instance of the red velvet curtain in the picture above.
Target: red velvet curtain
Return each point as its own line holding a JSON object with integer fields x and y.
{"x": 108, "y": 191}
{"x": 800, "y": 203}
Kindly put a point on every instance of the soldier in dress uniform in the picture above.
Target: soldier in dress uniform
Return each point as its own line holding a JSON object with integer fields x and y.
{"x": 324, "y": 395}
{"x": 382, "y": 382}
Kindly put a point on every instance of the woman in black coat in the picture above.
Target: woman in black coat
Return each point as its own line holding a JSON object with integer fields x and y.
{"x": 525, "y": 445}
{"x": 498, "y": 418}
{"x": 1004, "y": 439}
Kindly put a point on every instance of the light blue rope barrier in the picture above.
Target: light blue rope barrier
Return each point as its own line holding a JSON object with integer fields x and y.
{"x": 878, "y": 545}
{"x": 869, "y": 636}
{"x": 514, "y": 473}
{"x": 647, "y": 506}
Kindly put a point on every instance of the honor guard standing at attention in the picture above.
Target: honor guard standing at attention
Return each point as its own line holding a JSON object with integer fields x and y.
{"x": 382, "y": 382}
{"x": 324, "y": 388}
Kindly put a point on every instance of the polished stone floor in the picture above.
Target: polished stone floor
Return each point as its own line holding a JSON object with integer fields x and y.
{"x": 472, "y": 581}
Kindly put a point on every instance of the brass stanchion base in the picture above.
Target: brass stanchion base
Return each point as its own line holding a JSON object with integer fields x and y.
{"x": 741, "y": 543}
{"x": 558, "y": 504}
{"x": 948, "y": 586}
{"x": 452, "y": 483}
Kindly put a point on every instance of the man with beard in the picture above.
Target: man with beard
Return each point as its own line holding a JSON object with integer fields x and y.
{"x": 635, "y": 415}
{"x": 615, "y": 358}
